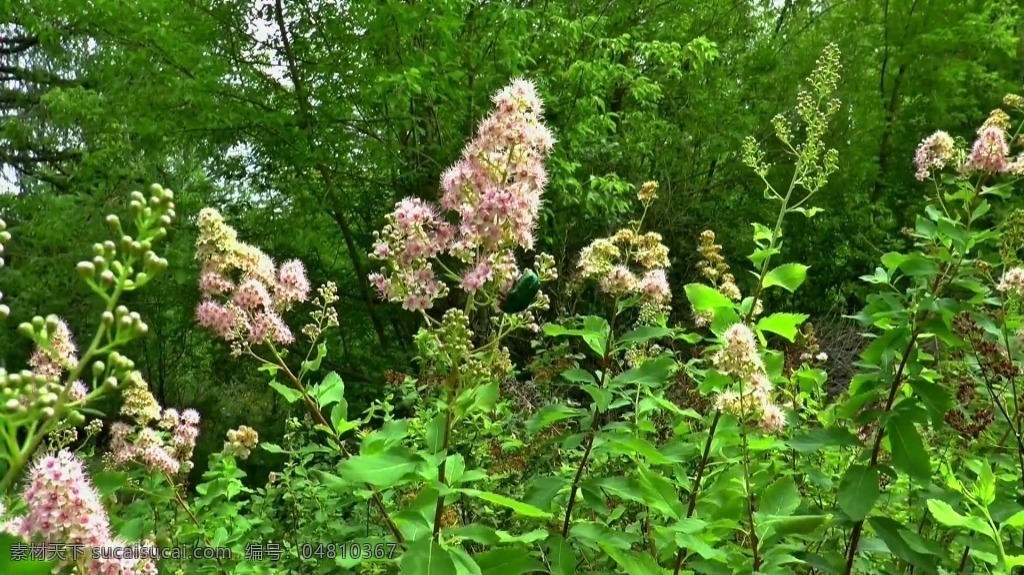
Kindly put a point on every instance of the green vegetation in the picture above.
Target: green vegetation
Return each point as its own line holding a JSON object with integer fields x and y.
{"x": 503, "y": 288}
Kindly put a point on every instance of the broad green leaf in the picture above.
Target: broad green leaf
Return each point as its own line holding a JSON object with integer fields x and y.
{"x": 908, "y": 452}
{"x": 705, "y": 298}
{"x": 434, "y": 433}
{"x": 331, "y": 390}
{"x": 641, "y": 335}
{"x": 507, "y": 561}
{"x": 652, "y": 372}
{"x": 659, "y": 493}
{"x": 945, "y": 514}
{"x": 858, "y": 491}
{"x": 549, "y": 414}
{"x": 784, "y": 324}
{"x": 560, "y": 556}
{"x": 787, "y": 276}
{"x": 380, "y": 469}
{"x": 427, "y": 557}
{"x": 780, "y": 498}
{"x": 464, "y": 563}
{"x": 524, "y": 509}
{"x": 578, "y": 375}
{"x": 290, "y": 395}
{"x": 632, "y": 563}
{"x": 891, "y": 533}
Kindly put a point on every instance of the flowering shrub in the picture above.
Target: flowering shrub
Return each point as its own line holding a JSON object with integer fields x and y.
{"x": 636, "y": 446}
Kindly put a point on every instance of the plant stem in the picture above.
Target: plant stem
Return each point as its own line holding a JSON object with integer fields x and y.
{"x": 314, "y": 410}
{"x": 595, "y": 425}
{"x": 692, "y": 506}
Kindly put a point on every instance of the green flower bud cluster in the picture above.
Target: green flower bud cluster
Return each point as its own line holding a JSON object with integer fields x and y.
{"x": 26, "y": 395}
{"x": 114, "y": 263}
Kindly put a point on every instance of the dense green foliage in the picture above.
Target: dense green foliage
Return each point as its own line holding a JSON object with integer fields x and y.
{"x": 554, "y": 424}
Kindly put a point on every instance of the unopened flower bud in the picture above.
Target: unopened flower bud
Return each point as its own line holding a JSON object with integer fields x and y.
{"x": 86, "y": 269}
{"x": 76, "y": 418}
{"x": 114, "y": 222}
{"x": 47, "y": 412}
{"x": 12, "y": 404}
{"x": 107, "y": 318}
{"x": 38, "y": 323}
{"x": 111, "y": 382}
{"x": 97, "y": 369}
{"x": 108, "y": 277}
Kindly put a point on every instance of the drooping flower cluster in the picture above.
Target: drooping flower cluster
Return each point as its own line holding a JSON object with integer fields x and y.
{"x": 241, "y": 441}
{"x": 244, "y": 291}
{"x": 738, "y": 357}
{"x": 493, "y": 194}
{"x": 65, "y": 509}
{"x": 168, "y": 446}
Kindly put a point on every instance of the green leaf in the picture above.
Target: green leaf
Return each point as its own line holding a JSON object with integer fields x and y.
{"x": 945, "y": 514}
{"x": 427, "y": 557}
{"x": 908, "y": 452}
{"x": 577, "y": 375}
{"x": 985, "y": 487}
{"x": 524, "y": 509}
{"x": 331, "y": 390}
{"x": 891, "y": 533}
{"x": 784, "y": 324}
{"x": 818, "y": 438}
{"x": 380, "y": 469}
{"x": 641, "y": 335}
{"x": 290, "y": 395}
{"x": 781, "y": 498}
{"x": 858, "y": 491}
{"x": 508, "y": 561}
{"x": 787, "y": 276}
{"x": 705, "y": 298}
{"x": 550, "y": 414}
{"x": 651, "y": 373}
{"x": 632, "y": 563}
{"x": 659, "y": 493}
{"x": 108, "y": 482}
{"x": 434, "y": 433}
{"x": 313, "y": 365}
{"x": 485, "y": 397}
{"x": 560, "y": 556}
